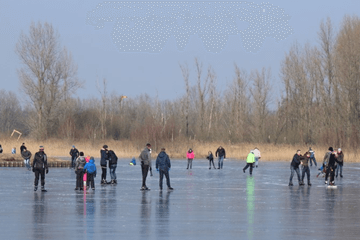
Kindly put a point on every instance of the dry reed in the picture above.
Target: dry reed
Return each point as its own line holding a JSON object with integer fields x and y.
{"x": 176, "y": 150}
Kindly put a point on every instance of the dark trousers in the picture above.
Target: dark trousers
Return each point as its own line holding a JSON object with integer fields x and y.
{"x": 103, "y": 173}
{"x": 144, "y": 170}
{"x": 331, "y": 171}
{"x": 211, "y": 161}
{"x": 79, "y": 179}
{"x": 306, "y": 170}
{"x": 189, "y": 164}
{"x": 162, "y": 173}
{"x": 293, "y": 169}
{"x": 313, "y": 159}
{"x": 73, "y": 160}
{"x": 249, "y": 165}
{"x": 38, "y": 172}
{"x": 90, "y": 180}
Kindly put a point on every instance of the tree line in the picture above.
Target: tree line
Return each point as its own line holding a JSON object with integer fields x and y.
{"x": 319, "y": 103}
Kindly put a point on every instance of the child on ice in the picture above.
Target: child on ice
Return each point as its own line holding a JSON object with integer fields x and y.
{"x": 90, "y": 169}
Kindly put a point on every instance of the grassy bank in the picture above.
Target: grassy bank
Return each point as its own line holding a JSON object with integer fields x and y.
{"x": 128, "y": 149}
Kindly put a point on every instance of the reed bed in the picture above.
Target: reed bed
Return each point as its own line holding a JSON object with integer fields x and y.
{"x": 176, "y": 150}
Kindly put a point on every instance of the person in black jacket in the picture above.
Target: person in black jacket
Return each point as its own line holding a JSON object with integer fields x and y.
{"x": 294, "y": 167}
{"x": 220, "y": 153}
{"x": 104, "y": 156}
{"x": 22, "y": 148}
{"x": 74, "y": 153}
{"x": 331, "y": 166}
{"x": 40, "y": 167}
{"x": 163, "y": 165}
{"x": 112, "y": 166}
{"x": 210, "y": 157}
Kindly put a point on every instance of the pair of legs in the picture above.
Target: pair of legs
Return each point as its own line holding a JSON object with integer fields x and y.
{"x": 306, "y": 170}
{"x": 248, "y": 165}
{"x": 90, "y": 180}
{"x": 79, "y": 179}
{"x": 293, "y": 169}
{"x": 189, "y": 164}
{"x": 312, "y": 159}
{"x": 39, "y": 173}
{"x": 330, "y": 171}
{"x": 103, "y": 174}
{"x": 162, "y": 173}
{"x": 220, "y": 162}
{"x": 73, "y": 160}
{"x": 211, "y": 161}
{"x": 144, "y": 170}
{"x": 256, "y": 161}
{"x": 113, "y": 173}
{"x": 27, "y": 163}
{"x": 337, "y": 170}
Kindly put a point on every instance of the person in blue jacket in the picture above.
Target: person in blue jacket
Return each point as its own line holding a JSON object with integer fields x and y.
{"x": 163, "y": 165}
{"x": 90, "y": 169}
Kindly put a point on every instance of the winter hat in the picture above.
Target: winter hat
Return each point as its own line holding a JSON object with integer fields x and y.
{"x": 73, "y": 146}
{"x": 339, "y": 150}
{"x": 331, "y": 149}
{"x": 105, "y": 146}
{"x": 87, "y": 159}
{"x": 41, "y": 147}
{"x": 148, "y": 145}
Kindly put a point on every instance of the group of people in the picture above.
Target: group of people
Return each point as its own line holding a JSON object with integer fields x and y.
{"x": 220, "y": 154}
{"x": 333, "y": 162}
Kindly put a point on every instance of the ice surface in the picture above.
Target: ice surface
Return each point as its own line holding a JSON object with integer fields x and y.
{"x": 206, "y": 204}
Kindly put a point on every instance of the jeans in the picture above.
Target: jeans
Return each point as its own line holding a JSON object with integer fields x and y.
{"x": 189, "y": 164}
{"x": 256, "y": 161}
{"x": 220, "y": 162}
{"x": 144, "y": 171}
{"x": 112, "y": 171}
{"x": 337, "y": 170}
{"x": 103, "y": 173}
{"x": 313, "y": 159}
{"x": 27, "y": 163}
{"x": 306, "y": 170}
{"x": 248, "y": 165}
{"x": 40, "y": 172}
{"x": 162, "y": 173}
{"x": 293, "y": 169}
{"x": 73, "y": 160}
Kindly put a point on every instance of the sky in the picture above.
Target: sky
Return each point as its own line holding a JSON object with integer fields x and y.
{"x": 138, "y": 46}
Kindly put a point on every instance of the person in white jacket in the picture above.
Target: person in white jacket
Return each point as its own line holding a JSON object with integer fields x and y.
{"x": 257, "y": 156}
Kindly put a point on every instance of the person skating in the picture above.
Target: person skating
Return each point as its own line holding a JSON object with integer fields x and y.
{"x": 104, "y": 156}
{"x": 40, "y": 167}
{"x": 190, "y": 157}
{"x": 257, "y": 155}
{"x": 312, "y": 157}
{"x": 326, "y": 162}
{"x": 340, "y": 158}
{"x": 90, "y": 169}
{"x": 220, "y": 154}
{"x": 26, "y": 155}
{"x": 74, "y": 153}
{"x": 250, "y": 161}
{"x": 163, "y": 165}
{"x": 79, "y": 171}
{"x": 210, "y": 157}
{"x": 305, "y": 163}
{"x": 294, "y": 167}
{"x": 112, "y": 165}
{"x": 145, "y": 159}
{"x": 22, "y": 147}
{"x": 331, "y": 166}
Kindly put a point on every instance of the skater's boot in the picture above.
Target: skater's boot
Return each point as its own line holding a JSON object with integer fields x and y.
{"x": 341, "y": 175}
{"x": 244, "y": 170}
{"x": 35, "y": 188}
{"x": 43, "y": 189}
{"x": 170, "y": 188}
{"x": 112, "y": 182}
{"x": 290, "y": 184}
{"x": 309, "y": 183}
{"x": 142, "y": 188}
{"x": 301, "y": 183}
{"x": 115, "y": 181}
{"x": 326, "y": 182}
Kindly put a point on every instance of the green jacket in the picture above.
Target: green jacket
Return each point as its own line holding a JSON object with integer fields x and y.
{"x": 250, "y": 158}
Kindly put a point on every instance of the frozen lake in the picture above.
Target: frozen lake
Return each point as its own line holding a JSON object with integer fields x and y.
{"x": 206, "y": 204}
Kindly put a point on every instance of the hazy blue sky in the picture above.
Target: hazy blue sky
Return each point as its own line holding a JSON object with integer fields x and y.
{"x": 131, "y": 73}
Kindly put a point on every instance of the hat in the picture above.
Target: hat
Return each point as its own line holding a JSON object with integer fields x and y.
{"x": 41, "y": 147}
{"x": 73, "y": 146}
{"x": 331, "y": 149}
{"x": 105, "y": 146}
{"x": 148, "y": 145}
{"x": 339, "y": 149}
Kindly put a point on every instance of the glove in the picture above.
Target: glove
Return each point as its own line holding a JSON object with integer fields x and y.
{"x": 157, "y": 169}
{"x": 33, "y": 169}
{"x": 47, "y": 171}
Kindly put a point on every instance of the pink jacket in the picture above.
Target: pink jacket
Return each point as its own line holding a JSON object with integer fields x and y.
{"x": 190, "y": 155}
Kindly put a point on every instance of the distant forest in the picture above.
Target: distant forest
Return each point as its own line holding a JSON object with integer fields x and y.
{"x": 320, "y": 104}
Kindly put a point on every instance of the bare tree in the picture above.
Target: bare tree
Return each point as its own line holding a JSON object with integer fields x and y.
{"x": 48, "y": 74}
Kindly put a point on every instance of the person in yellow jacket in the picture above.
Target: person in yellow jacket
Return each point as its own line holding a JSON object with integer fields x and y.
{"x": 250, "y": 161}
